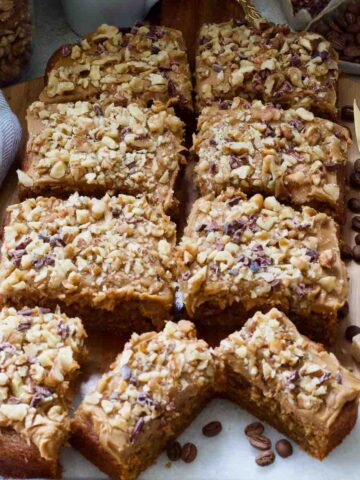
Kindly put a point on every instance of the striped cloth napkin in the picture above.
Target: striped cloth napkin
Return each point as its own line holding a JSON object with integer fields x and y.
{"x": 10, "y": 137}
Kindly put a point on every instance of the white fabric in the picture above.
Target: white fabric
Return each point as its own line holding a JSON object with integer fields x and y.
{"x": 10, "y": 137}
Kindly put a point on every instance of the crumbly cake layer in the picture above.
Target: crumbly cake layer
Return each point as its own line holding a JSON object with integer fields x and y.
{"x": 39, "y": 355}
{"x": 150, "y": 394}
{"x": 144, "y": 64}
{"x": 95, "y": 254}
{"x": 290, "y": 381}
{"x": 240, "y": 255}
{"x": 92, "y": 148}
{"x": 269, "y": 63}
{"x": 259, "y": 148}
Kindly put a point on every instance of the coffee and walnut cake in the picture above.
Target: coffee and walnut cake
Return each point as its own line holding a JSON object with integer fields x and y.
{"x": 241, "y": 255}
{"x": 151, "y": 393}
{"x": 40, "y": 353}
{"x": 108, "y": 260}
{"x": 260, "y": 148}
{"x": 142, "y": 65}
{"x": 93, "y": 148}
{"x": 291, "y": 382}
{"x": 270, "y": 63}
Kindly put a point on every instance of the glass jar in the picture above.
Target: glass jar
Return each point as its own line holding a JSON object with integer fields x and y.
{"x": 15, "y": 38}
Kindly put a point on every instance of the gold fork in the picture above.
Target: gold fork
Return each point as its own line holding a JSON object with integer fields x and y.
{"x": 251, "y": 13}
{"x": 357, "y": 122}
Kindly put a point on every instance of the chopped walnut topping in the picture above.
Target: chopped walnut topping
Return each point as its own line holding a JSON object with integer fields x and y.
{"x": 146, "y": 64}
{"x": 273, "y": 64}
{"x": 149, "y": 380}
{"x": 88, "y": 251}
{"x": 306, "y": 380}
{"x": 86, "y": 148}
{"x": 258, "y": 253}
{"x": 15, "y": 40}
{"x": 36, "y": 365}
{"x": 256, "y": 147}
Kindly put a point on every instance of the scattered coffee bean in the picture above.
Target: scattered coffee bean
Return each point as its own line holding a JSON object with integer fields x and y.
{"x": 355, "y": 179}
{"x": 260, "y": 442}
{"x": 173, "y": 451}
{"x": 356, "y": 253}
{"x": 284, "y": 448}
{"x": 188, "y": 453}
{"x": 351, "y": 331}
{"x": 346, "y": 252}
{"x": 354, "y": 205}
{"x": 265, "y": 458}
{"x": 314, "y": 7}
{"x": 357, "y": 239}
{"x": 347, "y": 113}
{"x": 355, "y": 223}
{"x": 212, "y": 429}
{"x": 254, "y": 428}
{"x": 357, "y": 165}
{"x": 344, "y": 310}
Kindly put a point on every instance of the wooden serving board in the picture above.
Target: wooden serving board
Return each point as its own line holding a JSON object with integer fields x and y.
{"x": 188, "y": 15}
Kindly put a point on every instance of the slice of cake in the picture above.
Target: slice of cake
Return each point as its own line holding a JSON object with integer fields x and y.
{"x": 260, "y": 148}
{"x": 94, "y": 148}
{"x": 238, "y": 256}
{"x": 289, "y": 381}
{"x": 270, "y": 63}
{"x": 141, "y": 65}
{"x": 109, "y": 260}
{"x": 151, "y": 393}
{"x": 39, "y": 356}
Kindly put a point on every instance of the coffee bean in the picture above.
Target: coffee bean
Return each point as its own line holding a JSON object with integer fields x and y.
{"x": 265, "y": 458}
{"x": 173, "y": 451}
{"x": 212, "y": 429}
{"x": 188, "y": 453}
{"x": 351, "y": 331}
{"x": 344, "y": 310}
{"x": 357, "y": 165}
{"x": 354, "y": 8}
{"x": 337, "y": 40}
{"x": 254, "y": 428}
{"x": 260, "y": 442}
{"x": 356, "y": 253}
{"x": 355, "y": 179}
{"x": 357, "y": 239}
{"x": 355, "y": 223}
{"x": 346, "y": 252}
{"x": 354, "y": 205}
{"x": 347, "y": 113}
{"x": 284, "y": 448}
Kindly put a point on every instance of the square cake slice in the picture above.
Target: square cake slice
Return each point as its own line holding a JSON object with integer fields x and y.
{"x": 141, "y": 64}
{"x": 109, "y": 260}
{"x": 93, "y": 148}
{"x": 289, "y": 381}
{"x": 259, "y": 148}
{"x": 153, "y": 390}
{"x": 270, "y": 63}
{"x": 238, "y": 256}
{"x": 40, "y": 353}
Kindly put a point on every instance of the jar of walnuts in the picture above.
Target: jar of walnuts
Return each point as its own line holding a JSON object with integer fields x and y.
{"x": 15, "y": 38}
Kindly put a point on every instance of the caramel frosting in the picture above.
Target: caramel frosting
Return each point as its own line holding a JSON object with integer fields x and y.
{"x": 145, "y": 383}
{"x": 144, "y": 64}
{"x": 270, "y": 62}
{"x": 87, "y": 251}
{"x": 307, "y": 381}
{"x": 39, "y": 355}
{"x": 260, "y": 253}
{"x": 261, "y": 148}
{"x": 89, "y": 147}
